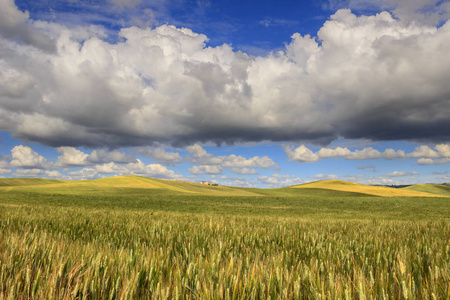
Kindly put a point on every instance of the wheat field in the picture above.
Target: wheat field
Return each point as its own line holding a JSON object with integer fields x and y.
{"x": 318, "y": 246}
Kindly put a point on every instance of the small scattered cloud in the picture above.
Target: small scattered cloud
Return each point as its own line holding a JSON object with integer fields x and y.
{"x": 277, "y": 180}
{"x": 401, "y": 173}
{"x": 282, "y": 176}
{"x": 440, "y": 151}
{"x": 265, "y": 22}
{"x": 151, "y": 170}
{"x": 291, "y": 181}
{"x": 201, "y": 156}
{"x": 240, "y": 183}
{"x": 5, "y": 171}
{"x": 372, "y": 167}
{"x": 238, "y": 161}
{"x": 380, "y": 181}
{"x": 430, "y": 161}
{"x": 325, "y": 177}
{"x": 111, "y": 168}
{"x": 225, "y": 177}
{"x": 206, "y": 169}
{"x": 84, "y": 174}
{"x": 54, "y": 174}
{"x": 354, "y": 178}
{"x": 160, "y": 155}
{"x": 244, "y": 171}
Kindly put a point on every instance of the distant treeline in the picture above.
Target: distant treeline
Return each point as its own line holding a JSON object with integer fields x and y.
{"x": 396, "y": 186}
{"x": 404, "y": 185}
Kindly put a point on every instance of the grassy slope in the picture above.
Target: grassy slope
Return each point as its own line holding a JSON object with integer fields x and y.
{"x": 437, "y": 189}
{"x": 116, "y": 184}
{"x": 145, "y": 194}
{"x": 121, "y": 184}
{"x": 128, "y": 182}
{"x": 338, "y": 185}
{"x": 6, "y": 182}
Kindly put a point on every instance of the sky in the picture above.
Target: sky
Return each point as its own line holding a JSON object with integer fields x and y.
{"x": 242, "y": 93}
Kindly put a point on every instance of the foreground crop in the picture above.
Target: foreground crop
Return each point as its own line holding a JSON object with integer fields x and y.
{"x": 114, "y": 254}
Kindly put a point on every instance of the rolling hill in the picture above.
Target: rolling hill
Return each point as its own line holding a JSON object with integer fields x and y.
{"x": 345, "y": 186}
{"x": 437, "y": 189}
{"x": 110, "y": 184}
{"x": 131, "y": 183}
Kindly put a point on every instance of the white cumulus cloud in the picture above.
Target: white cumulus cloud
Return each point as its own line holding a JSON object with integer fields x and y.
{"x": 54, "y": 174}
{"x": 372, "y": 77}
{"x": 160, "y": 155}
{"x": 135, "y": 168}
{"x": 71, "y": 157}
{"x": 103, "y": 156}
{"x": 244, "y": 171}
{"x": 206, "y": 169}
{"x": 210, "y": 164}
{"x": 84, "y": 174}
{"x": 278, "y": 180}
{"x": 304, "y": 154}
{"x": 4, "y": 167}
{"x": 25, "y": 157}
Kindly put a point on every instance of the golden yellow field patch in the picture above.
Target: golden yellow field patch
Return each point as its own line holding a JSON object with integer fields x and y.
{"x": 346, "y": 186}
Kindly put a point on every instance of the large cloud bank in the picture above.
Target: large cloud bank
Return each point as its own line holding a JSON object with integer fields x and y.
{"x": 371, "y": 77}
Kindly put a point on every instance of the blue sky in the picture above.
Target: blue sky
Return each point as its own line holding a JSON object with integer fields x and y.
{"x": 243, "y": 93}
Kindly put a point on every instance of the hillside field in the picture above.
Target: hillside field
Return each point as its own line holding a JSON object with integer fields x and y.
{"x": 437, "y": 189}
{"x": 132, "y": 237}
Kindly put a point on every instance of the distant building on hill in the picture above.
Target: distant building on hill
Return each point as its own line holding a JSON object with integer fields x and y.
{"x": 206, "y": 182}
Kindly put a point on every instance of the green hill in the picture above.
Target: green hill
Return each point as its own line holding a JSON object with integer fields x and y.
{"x": 345, "y": 186}
{"x": 437, "y": 189}
{"x": 330, "y": 199}
{"x": 118, "y": 184}
{"x": 141, "y": 185}
{"x": 130, "y": 184}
